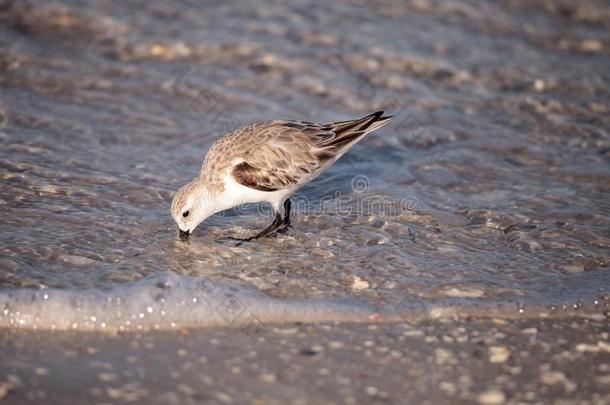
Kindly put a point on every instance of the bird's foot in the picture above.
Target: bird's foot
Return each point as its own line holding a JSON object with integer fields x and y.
{"x": 240, "y": 241}
{"x": 285, "y": 228}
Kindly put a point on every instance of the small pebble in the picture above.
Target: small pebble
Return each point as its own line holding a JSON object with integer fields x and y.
{"x": 268, "y": 377}
{"x": 491, "y": 397}
{"x": 359, "y": 284}
{"x": 498, "y": 354}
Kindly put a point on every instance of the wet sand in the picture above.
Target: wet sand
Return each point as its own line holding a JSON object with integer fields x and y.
{"x": 490, "y": 182}
{"x": 476, "y": 361}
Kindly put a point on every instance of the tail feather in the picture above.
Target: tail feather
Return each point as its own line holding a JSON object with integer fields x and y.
{"x": 350, "y": 132}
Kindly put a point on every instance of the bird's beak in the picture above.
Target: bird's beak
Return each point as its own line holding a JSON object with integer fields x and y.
{"x": 184, "y": 235}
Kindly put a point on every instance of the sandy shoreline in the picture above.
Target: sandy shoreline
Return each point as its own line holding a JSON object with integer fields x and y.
{"x": 484, "y": 361}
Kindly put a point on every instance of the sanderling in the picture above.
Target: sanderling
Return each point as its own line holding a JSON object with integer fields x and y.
{"x": 266, "y": 162}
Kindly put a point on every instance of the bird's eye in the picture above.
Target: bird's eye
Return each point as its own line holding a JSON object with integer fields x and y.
{"x": 185, "y": 214}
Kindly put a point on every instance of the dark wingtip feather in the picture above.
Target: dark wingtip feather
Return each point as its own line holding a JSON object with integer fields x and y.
{"x": 374, "y": 117}
{"x": 348, "y": 132}
{"x": 379, "y": 115}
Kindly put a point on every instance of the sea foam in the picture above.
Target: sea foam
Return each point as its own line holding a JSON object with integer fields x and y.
{"x": 169, "y": 301}
{"x": 165, "y": 302}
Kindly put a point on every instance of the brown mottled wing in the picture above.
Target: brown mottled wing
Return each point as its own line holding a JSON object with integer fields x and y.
{"x": 254, "y": 177}
{"x": 286, "y": 153}
{"x": 283, "y": 158}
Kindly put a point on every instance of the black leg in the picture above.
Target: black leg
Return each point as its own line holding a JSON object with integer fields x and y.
{"x": 277, "y": 222}
{"x": 287, "y": 206}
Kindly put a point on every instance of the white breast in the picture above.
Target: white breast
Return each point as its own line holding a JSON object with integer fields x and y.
{"x": 236, "y": 194}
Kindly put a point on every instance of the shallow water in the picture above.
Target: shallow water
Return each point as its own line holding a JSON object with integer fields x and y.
{"x": 489, "y": 188}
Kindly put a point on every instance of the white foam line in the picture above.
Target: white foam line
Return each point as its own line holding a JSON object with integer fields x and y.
{"x": 164, "y": 302}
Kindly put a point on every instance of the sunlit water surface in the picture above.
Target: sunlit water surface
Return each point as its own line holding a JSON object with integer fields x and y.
{"x": 489, "y": 190}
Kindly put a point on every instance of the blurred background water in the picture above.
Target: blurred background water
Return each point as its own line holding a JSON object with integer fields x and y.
{"x": 491, "y": 184}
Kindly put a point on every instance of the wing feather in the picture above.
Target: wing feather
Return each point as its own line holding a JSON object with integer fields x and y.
{"x": 287, "y": 153}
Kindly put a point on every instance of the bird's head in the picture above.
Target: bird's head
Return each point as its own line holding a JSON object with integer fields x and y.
{"x": 190, "y": 206}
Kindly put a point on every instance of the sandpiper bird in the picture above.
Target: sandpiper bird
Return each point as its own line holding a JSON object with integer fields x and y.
{"x": 266, "y": 162}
